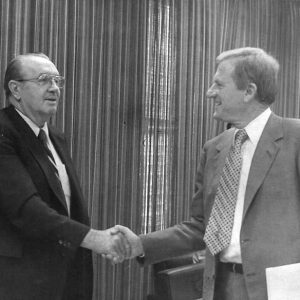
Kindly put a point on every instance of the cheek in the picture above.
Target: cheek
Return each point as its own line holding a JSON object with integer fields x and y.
{"x": 233, "y": 99}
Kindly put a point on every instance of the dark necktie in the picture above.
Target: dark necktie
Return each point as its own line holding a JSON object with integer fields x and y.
{"x": 43, "y": 139}
{"x": 219, "y": 228}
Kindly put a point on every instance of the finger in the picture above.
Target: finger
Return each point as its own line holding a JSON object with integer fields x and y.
{"x": 126, "y": 242}
{"x": 119, "y": 243}
{"x": 117, "y": 260}
{"x": 128, "y": 248}
{"x": 112, "y": 258}
{"x": 108, "y": 256}
{"x": 126, "y": 245}
{"x": 122, "y": 229}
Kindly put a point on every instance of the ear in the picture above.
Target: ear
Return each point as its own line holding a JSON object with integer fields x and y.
{"x": 15, "y": 89}
{"x": 250, "y": 92}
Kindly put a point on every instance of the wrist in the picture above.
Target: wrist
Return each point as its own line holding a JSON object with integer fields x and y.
{"x": 140, "y": 248}
{"x": 89, "y": 240}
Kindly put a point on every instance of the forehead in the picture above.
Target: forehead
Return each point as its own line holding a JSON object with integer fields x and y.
{"x": 224, "y": 71}
{"x": 35, "y": 65}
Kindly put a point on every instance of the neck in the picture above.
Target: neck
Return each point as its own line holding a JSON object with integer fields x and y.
{"x": 250, "y": 115}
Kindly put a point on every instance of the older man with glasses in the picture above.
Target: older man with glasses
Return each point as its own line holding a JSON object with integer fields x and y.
{"x": 45, "y": 237}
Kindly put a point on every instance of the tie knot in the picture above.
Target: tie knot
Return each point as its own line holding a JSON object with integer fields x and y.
{"x": 241, "y": 136}
{"x": 42, "y": 137}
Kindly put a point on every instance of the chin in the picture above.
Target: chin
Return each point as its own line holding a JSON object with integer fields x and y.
{"x": 217, "y": 116}
{"x": 221, "y": 117}
{"x": 51, "y": 111}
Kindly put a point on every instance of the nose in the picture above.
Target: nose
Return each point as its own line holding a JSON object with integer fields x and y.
{"x": 53, "y": 84}
{"x": 211, "y": 93}
{"x": 54, "y": 89}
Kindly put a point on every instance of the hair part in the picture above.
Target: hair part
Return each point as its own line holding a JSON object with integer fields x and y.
{"x": 254, "y": 65}
{"x": 14, "y": 69}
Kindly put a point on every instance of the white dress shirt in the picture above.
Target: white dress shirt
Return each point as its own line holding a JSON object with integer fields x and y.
{"x": 63, "y": 176}
{"x": 254, "y": 130}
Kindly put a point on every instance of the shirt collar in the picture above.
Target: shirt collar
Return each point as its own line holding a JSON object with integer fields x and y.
{"x": 255, "y": 128}
{"x": 36, "y": 129}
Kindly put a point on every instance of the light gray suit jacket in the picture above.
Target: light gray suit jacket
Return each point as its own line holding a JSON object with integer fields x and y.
{"x": 270, "y": 233}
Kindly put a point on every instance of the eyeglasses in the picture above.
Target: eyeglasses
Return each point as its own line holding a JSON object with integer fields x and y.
{"x": 44, "y": 79}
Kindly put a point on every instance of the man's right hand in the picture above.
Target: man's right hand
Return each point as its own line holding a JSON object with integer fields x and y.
{"x": 134, "y": 242}
{"x": 109, "y": 242}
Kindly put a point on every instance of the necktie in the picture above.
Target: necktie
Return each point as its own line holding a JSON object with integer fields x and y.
{"x": 62, "y": 183}
{"x": 43, "y": 139}
{"x": 219, "y": 228}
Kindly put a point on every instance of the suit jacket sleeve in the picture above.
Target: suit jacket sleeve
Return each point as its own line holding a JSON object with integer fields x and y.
{"x": 22, "y": 206}
{"x": 183, "y": 238}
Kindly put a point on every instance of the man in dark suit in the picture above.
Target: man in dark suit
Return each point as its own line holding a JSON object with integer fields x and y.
{"x": 246, "y": 206}
{"x": 45, "y": 237}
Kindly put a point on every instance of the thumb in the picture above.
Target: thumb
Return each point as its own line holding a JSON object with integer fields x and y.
{"x": 114, "y": 230}
{"x": 121, "y": 229}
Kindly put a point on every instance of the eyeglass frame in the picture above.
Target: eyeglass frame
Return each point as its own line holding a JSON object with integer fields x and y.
{"x": 58, "y": 79}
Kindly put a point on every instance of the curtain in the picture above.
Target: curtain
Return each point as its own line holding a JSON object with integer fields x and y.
{"x": 134, "y": 109}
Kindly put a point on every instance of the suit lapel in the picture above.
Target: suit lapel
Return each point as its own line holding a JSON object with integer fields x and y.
{"x": 38, "y": 153}
{"x": 78, "y": 208}
{"x": 265, "y": 153}
{"x": 65, "y": 158}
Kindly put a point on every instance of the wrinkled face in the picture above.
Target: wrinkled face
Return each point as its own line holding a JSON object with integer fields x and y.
{"x": 38, "y": 101}
{"x": 228, "y": 100}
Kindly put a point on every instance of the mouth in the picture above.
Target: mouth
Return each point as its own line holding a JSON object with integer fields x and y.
{"x": 51, "y": 99}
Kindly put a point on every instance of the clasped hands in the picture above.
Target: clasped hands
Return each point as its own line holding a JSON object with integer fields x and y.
{"x": 116, "y": 244}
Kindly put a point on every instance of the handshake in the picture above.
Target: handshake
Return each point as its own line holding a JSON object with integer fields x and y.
{"x": 116, "y": 244}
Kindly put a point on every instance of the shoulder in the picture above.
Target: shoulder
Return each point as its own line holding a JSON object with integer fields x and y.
{"x": 7, "y": 126}
{"x": 224, "y": 137}
{"x": 286, "y": 129}
{"x": 5, "y": 116}
{"x": 290, "y": 126}
{"x": 291, "y": 123}
{"x": 286, "y": 122}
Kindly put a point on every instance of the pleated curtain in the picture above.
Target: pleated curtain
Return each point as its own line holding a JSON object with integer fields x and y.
{"x": 134, "y": 109}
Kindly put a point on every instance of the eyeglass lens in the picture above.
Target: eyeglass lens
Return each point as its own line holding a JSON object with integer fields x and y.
{"x": 46, "y": 78}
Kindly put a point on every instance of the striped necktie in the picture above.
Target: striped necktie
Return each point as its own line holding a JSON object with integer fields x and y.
{"x": 43, "y": 139}
{"x": 218, "y": 231}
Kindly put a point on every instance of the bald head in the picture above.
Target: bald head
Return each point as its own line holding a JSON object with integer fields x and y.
{"x": 32, "y": 84}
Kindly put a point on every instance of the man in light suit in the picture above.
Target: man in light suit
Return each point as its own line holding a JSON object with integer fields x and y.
{"x": 265, "y": 230}
{"x": 45, "y": 237}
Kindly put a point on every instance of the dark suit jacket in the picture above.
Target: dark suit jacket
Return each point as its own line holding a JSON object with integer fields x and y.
{"x": 270, "y": 233}
{"x": 40, "y": 257}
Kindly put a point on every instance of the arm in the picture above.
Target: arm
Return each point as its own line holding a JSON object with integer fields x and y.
{"x": 180, "y": 239}
{"x": 29, "y": 214}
